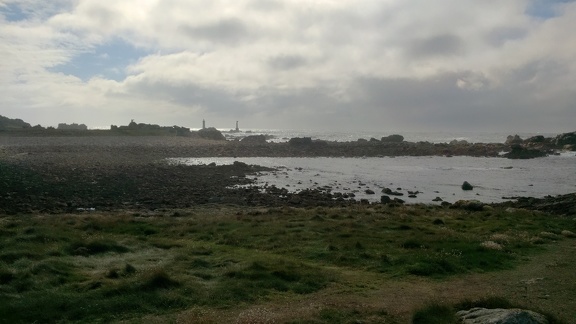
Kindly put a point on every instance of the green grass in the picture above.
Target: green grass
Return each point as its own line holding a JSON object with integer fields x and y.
{"x": 108, "y": 267}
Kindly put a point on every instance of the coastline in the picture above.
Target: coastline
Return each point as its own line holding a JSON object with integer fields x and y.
{"x": 65, "y": 174}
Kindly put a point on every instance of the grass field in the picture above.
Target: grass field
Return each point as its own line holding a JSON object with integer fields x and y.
{"x": 375, "y": 264}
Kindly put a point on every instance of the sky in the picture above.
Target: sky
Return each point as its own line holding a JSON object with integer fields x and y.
{"x": 398, "y": 65}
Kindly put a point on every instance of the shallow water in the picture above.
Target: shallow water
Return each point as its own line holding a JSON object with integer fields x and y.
{"x": 492, "y": 178}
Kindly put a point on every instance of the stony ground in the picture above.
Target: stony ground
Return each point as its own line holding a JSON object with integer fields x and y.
{"x": 61, "y": 174}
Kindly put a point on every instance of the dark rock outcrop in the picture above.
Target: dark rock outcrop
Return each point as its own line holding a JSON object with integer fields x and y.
{"x": 519, "y": 152}
{"x": 566, "y": 139}
{"x": 211, "y": 133}
{"x": 300, "y": 141}
{"x": 254, "y": 139}
{"x": 559, "y": 205}
{"x": 393, "y": 139}
{"x": 536, "y": 139}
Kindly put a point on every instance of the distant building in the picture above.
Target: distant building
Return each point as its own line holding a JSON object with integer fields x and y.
{"x": 203, "y": 124}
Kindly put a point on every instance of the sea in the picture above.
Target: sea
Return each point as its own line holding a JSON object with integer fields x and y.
{"x": 424, "y": 179}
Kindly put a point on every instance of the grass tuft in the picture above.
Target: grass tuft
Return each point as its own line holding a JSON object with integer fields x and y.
{"x": 435, "y": 314}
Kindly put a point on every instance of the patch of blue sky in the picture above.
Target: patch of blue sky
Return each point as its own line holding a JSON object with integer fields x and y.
{"x": 545, "y": 9}
{"x": 13, "y": 13}
{"x": 108, "y": 61}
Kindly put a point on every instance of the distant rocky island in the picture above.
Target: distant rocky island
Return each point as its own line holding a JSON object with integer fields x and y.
{"x": 514, "y": 147}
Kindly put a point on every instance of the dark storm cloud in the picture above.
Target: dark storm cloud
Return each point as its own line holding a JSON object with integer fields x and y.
{"x": 439, "y": 45}
{"x": 437, "y": 102}
{"x": 543, "y": 71}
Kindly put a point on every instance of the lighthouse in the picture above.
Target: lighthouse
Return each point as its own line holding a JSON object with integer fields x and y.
{"x": 203, "y": 124}
{"x": 237, "y": 129}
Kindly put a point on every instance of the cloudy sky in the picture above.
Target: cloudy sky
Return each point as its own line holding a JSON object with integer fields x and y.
{"x": 460, "y": 65}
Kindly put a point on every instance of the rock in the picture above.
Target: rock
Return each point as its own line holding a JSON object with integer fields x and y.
{"x": 393, "y": 139}
{"x": 536, "y": 139}
{"x": 240, "y": 164}
{"x": 457, "y": 142}
{"x": 437, "y": 199}
{"x": 389, "y": 191}
{"x": 566, "y": 139}
{"x": 300, "y": 141}
{"x": 513, "y": 140}
{"x": 472, "y": 205}
{"x": 385, "y": 199}
{"x": 501, "y": 316}
{"x": 211, "y": 133}
{"x": 369, "y": 191}
{"x": 558, "y": 205}
{"x": 519, "y": 152}
{"x": 398, "y": 200}
{"x": 467, "y": 186}
{"x": 254, "y": 139}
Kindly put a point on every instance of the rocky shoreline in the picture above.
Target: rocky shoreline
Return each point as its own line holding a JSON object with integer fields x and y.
{"x": 213, "y": 144}
{"x": 76, "y": 174}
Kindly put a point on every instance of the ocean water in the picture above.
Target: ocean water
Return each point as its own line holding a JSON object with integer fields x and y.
{"x": 347, "y": 136}
{"x": 431, "y": 177}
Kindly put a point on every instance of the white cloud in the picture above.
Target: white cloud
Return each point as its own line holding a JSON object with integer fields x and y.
{"x": 296, "y": 59}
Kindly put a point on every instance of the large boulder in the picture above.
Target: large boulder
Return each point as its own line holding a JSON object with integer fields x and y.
{"x": 501, "y": 316}
{"x": 519, "y": 152}
{"x": 393, "y": 139}
{"x": 467, "y": 186}
{"x": 211, "y": 133}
